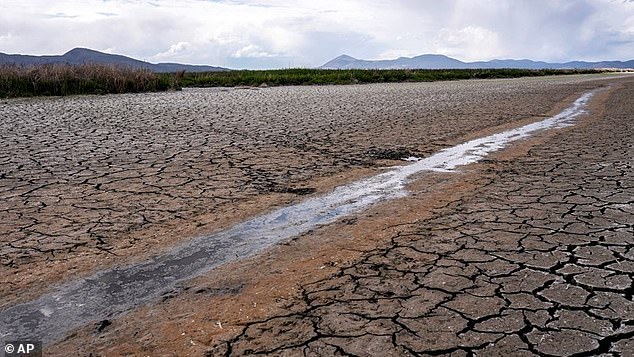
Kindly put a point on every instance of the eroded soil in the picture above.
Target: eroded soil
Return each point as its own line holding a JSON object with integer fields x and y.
{"x": 526, "y": 252}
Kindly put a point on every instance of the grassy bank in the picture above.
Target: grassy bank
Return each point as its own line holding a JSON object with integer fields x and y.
{"x": 62, "y": 79}
{"x": 302, "y": 76}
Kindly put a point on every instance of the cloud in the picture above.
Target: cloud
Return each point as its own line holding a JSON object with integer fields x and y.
{"x": 175, "y": 51}
{"x": 251, "y": 51}
{"x": 283, "y": 33}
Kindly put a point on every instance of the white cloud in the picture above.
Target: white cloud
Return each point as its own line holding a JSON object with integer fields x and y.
{"x": 301, "y": 33}
{"x": 175, "y": 51}
{"x": 251, "y": 51}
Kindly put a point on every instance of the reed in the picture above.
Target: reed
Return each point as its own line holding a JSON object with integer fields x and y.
{"x": 64, "y": 79}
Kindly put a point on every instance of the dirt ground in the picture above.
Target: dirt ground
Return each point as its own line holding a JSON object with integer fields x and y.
{"x": 519, "y": 253}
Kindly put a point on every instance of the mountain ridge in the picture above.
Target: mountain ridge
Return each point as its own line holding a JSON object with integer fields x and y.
{"x": 80, "y": 55}
{"x": 436, "y": 61}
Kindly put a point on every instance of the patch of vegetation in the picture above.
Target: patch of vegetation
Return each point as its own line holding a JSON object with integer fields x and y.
{"x": 64, "y": 79}
{"x": 303, "y": 76}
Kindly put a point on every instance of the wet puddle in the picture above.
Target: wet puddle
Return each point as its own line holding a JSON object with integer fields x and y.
{"x": 111, "y": 292}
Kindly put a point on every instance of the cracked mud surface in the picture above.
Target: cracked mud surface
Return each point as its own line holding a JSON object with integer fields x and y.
{"x": 539, "y": 260}
{"x": 89, "y": 181}
{"x": 527, "y": 253}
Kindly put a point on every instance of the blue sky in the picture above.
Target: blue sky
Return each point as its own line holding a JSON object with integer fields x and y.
{"x": 293, "y": 33}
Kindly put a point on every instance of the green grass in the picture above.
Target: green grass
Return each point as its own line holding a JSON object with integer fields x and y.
{"x": 61, "y": 79}
{"x": 302, "y": 76}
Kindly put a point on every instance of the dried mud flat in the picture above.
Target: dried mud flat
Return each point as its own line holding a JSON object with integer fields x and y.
{"x": 529, "y": 252}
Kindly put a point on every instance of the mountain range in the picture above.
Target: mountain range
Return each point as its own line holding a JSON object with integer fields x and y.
{"x": 83, "y": 55}
{"x": 431, "y": 61}
{"x": 427, "y": 61}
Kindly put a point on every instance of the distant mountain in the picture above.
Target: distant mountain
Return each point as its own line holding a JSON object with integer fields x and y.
{"x": 83, "y": 55}
{"x": 430, "y": 61}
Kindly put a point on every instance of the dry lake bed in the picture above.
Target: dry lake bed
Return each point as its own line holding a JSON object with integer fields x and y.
{"x": 167, "y": 224}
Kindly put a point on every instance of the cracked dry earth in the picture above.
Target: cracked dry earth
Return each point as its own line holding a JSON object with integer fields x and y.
{"x": 528, "y": 253}
{"x": 91, "y": 181}
{"x": 539, "y": 260}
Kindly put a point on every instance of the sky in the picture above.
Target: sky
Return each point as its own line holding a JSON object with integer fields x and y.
{"x": 258, "y": 34}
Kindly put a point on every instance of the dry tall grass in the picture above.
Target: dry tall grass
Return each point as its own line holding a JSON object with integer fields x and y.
{"x": 64, "y": 79}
